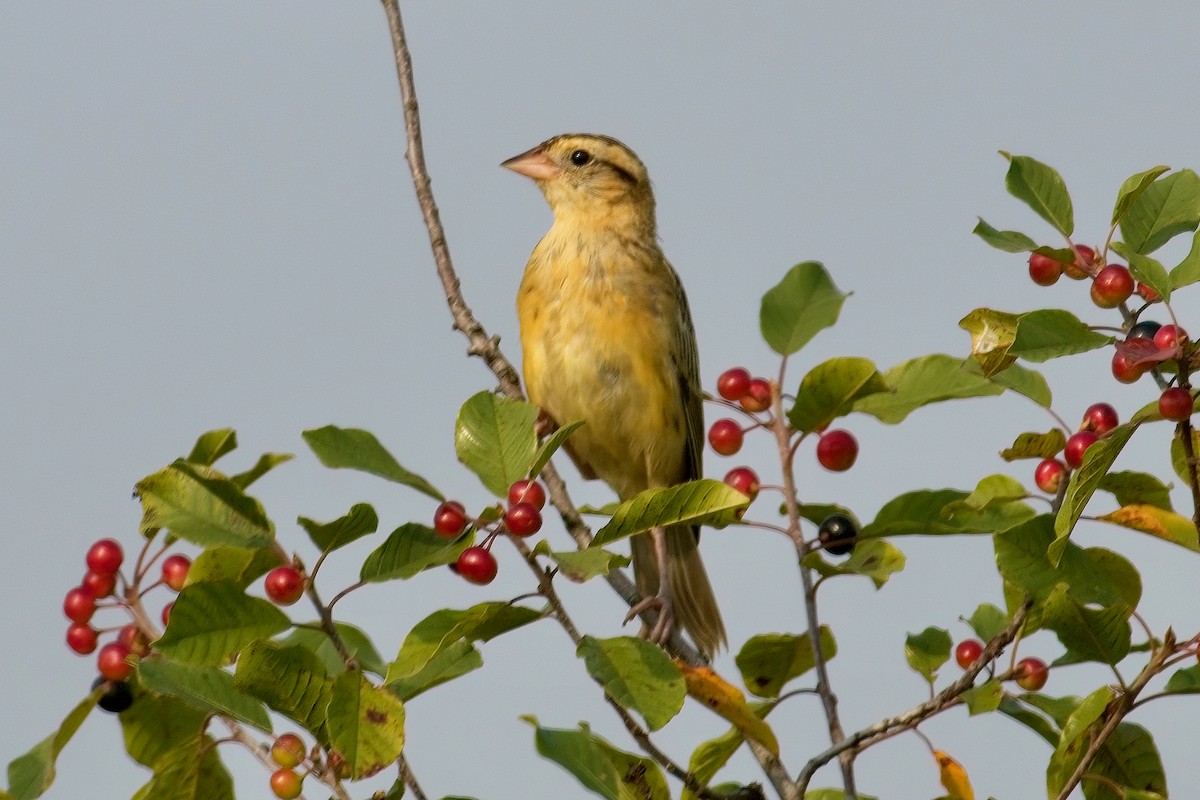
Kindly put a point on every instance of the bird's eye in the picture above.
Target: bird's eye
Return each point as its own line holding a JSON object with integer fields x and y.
{"x": 580, "y": 157}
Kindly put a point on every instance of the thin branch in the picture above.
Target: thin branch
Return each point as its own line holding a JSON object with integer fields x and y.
{"x": 911, "y": 718}
{"x": 410, "y": 779}
{"x": 824, "y": 687}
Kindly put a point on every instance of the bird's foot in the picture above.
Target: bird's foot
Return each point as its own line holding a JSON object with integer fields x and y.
{"x": 544, "y": 425}
{"x": 664, "y": 623}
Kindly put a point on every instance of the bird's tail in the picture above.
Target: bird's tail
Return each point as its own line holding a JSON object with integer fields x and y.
{"x": 695, "y": 605}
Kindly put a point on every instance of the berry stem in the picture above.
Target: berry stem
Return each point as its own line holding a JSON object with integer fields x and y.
{"x": 409, "y": 778}
{"x": 1184, "y": 429}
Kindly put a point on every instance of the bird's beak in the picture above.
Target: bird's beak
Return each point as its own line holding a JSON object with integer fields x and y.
{"x": 533, "y": 164}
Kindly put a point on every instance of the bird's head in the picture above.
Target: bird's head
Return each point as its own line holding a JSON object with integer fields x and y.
{"x": 589, "y": 175}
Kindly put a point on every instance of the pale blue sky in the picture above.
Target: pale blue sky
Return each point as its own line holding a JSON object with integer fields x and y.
{"x": 206, "y": 221}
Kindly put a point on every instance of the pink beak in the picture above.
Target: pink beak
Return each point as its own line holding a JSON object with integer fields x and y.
{"x": 533, "y": 164}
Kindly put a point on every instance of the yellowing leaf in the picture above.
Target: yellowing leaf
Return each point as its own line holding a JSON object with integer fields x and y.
{"x": 727, "y": 701}
{"x": 1157, "y": 522}
{"x": 954, "y": 777}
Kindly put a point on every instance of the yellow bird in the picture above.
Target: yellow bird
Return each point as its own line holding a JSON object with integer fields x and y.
{"x": 607, "y": 338}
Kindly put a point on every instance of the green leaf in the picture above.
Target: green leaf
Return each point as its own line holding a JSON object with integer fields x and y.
{"x": 1102, "y": 635}
{"x": 1097, "y": 461}
{"x": 550, "y": 446}
{"x": 835, "y": 794}
{"x": 156, "y": 724}
{"x": 208, "y": 689}
{"x": 30, "y": 775}
{"x": 927, "y": 651}
{"x": 235, "y": 564}
{"x": 266, "y": 462}
{"x": 1050, "y": 333}
{"x": 452, "y": 662}
{"x": 600, "y": 767}
{"x": 443, "y": 628}
{"x": 1169, "y": 206}
{"x": 353, "y": 448}
{"x": 1179, "y": 456}
{"x": 366, "y": 724}
{"x": 361, "y": 520}
{"x": 1008, "y": 241}
{"x": 212, "y": 445}
{"x": 1025, "y": 381}
{"x": 291, "y": 680}
{"x": 637, "y": 674}
{"x": 190, "y": 771}
{"x": 702, "y": 502}
{"x": 1030, "y": 719}
{"x": 876, "y": 559}
{"x": 202, "y": 506}
{"x": 494, "y": 438}
{"x": 710, "y": 756}
{"x": 1166, "y": 525}
{"x": 829, "y": 390}
{"x": 1133, "y": 188}
{"x": 582, "y": 565}
{"x": 211, "y": 622}
{"x": 1150, "y": 272}
{"x": 1036, "y": 445}
{"x": 1041, "y": 188}
{"x": 1072, "y": 743}
{"x": 799, "y": 307}
{"x": 933, "y": 512}
{"x": 1130, "y": 758}
{"x": 1184, "y": 681}
{"x": 983, "y": 698}
{"x": 922, "y": 381}
{"x": 769, "y": 660}
{"x": 1137, "y": 488}
{"x": 987, "y": 621}
{"x": 1187, "y": 271}
{"x": 992, "y": 334}
{"x": 355, "y": 639}
{"x": 410, "y": 550}
{"x": 991, "y": 491}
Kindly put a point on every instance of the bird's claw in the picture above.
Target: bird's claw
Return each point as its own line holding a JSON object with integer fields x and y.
{"x": 663, "y": 625}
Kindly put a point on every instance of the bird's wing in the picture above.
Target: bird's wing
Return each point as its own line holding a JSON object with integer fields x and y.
{"x": 686, "y": 358}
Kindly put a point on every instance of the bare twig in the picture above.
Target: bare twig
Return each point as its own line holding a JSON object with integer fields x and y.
{"x": 410, "y": 779}
{"x": 909, "y": 719}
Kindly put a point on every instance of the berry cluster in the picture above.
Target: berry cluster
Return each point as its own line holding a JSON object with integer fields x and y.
{"x": 1030, "y": 673}
{"x": 522, "y": 518}
{"x": 114, "y": 662}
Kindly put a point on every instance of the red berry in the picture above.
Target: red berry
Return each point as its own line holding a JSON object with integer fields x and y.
{"x": 81, "y": 638}
{"x": 105, "y": 556}
{"x": 165, "y": 616}
{"x": 1113, "y": 285}
{"x": 100, "y": 584}
{"x": 111, "y": 662}
{"x": 733, "y": 384}
{"x": 1044, "y": 270}
{"x": 79, "y": 604}
{"x": 450, "y": 519}
{"x": 1101, "y": 418}
{"x": 286, "y": 784}
{"x": 133, "y": 638}
{"x": 1169, "y": 336}
{"x": 1176, "y": 404}
{"x": 725, "y": 436}
{"x": 527, "y": 491}
{"x": 757, "y": 396}
{"x": 1077, "y": 445}
{"x": 1124, "y": 369}
{"x": 744, "y": 479}
{"x": 288, "y": 750}
{"x": 284, "y": 585}
{"x": 477, "y": 565}
{"x": 1148, "y": 294}
{"x": 175, "y": 571}
{"x": 967, "y": 652}
{"x": 1085, "y": 263}
{"x": 1048, "y": 475}
{"x": 523, "y": 519}
{"x": 837, "y": 450}
{"x": 1032, "y": 674}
